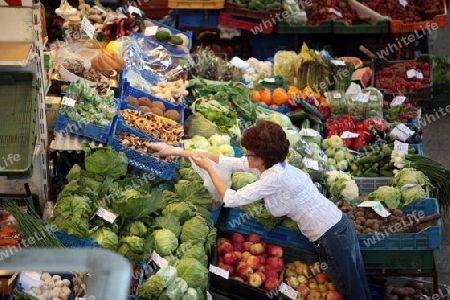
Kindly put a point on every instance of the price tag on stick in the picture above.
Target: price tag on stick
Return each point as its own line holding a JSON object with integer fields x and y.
{"x": 106, "y": 215}
{"x": 88, "y": 27}
{"x": 288, "y": 291}
{"x": 401, "y": 147}
{"x": 68, "y": 101}
{"x": 159, "y": 261}
{"x": 219, "y": 271}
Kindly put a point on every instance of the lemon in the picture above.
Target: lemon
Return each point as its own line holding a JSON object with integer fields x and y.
{"x": 114, "y": 47}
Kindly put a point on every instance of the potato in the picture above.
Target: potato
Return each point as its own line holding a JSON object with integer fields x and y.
{"x": 360, "y": 214}
{"x": 144, "y": 101}
{"x": 132, "y": 101}
{"x": 397, "y": 213}
{"x": 145, "y": 108}
{"x": 376, "y": 227}
{"x": 404, "y": 291}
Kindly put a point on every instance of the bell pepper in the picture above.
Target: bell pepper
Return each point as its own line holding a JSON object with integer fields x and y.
{"x": 379, "y": 124}
{"x": 348, "y": 143}
{"x": 324, "y": 110}
{"x": 359, "y": 126}
{"x": 358, "y": 142}
{"x": 368, "y": 123}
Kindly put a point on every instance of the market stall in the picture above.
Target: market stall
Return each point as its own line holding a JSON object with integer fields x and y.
{"x": 121, "y": 81}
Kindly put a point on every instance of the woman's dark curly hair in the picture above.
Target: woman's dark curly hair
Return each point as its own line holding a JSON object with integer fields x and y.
{"x": 268, "y": 141}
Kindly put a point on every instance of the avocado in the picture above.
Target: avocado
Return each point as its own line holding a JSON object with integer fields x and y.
{"x": 176, "y": 40}
{"x": 162, "y": 34}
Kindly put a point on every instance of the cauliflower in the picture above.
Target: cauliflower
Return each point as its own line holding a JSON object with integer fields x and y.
{"x": 335, "y": 141}
{"x": 345, "y": 188}
{"x": 332, "y": 176}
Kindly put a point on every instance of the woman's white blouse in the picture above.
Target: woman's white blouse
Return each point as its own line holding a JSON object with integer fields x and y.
{"x": 287, "y": 191}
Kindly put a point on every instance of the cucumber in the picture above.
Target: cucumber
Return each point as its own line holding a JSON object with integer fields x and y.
{"x": 297, "y": 115}
{"x": 371, "y": 174}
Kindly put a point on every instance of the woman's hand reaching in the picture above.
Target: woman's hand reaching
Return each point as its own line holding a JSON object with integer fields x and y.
{"x": 164, "y": 149}
{"x": 201, "y": 159}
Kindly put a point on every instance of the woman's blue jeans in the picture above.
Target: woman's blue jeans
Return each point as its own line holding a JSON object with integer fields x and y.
{"x": 340, "y": 254}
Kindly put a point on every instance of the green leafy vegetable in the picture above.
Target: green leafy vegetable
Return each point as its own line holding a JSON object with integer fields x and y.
{"x": 165, "y": 241}
{"x": 170, "y": 222}
{"x": 181, "y": 210}
{"x": 105, "y": 237}
{"x": 135, "y": 204}
{"x": 241, "y": 179}
{"x": 412, "y": 193}
{"x": 135, "y": 248}
{"x": 136, "y": 228}
{"x": 388, "y": 195}
{"x": 175, "y": 290}
{"x": 105, "y": 161}
{"x": 194, "y": 230}
{"x": 191, "y": 294}
{"x": 154, "y": 285}
{"x": 193, "y": 272}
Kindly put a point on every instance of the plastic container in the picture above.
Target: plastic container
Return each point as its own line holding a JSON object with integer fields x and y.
{"x": 377, "y": 291}
{"x": 399, "y": 260}
{"x": 324, "y": 27}
{"x": 337, "y": 103}
{"x": 228, "y": 20}
{"x": 367, "y": 185}
{"x": 235, "y": 10}
{"x": 198, "y": 18}
{"x": 17, "y": 285}
{"x": 237, "y": 220}
{"x": 356, "y": 107}
{"x": 428, "y": 239}
{"x": 266, "y": 46}
{"x": 238, "y": 290}
{"x": 73, "y": 242}
{"x": 140, "y": 160}
{"x": 17, "y": 122}
{"x": 137, "y": 275}
{"x": 398, "y": 26}
{"x": 216, "y": 214}
{"x": 197, "y": 4}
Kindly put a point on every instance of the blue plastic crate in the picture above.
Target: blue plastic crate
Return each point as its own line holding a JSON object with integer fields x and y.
{"x": 428, "y": 239}
{"x": 377, "y": 291}
{"x": 132, "y": 91}
{"x": 239, "y": 221}
{"x": 139, "y": 275}
{"x": 129, "y": 90}
{"x": 198, "y": 17}
{"x": 17, "y": 286}
{"x": 141, "y": 160}
{"x": 216, "y": 214}
{"x": 281, "y": 109}
{"x": 417, "y": 147}
{"x": 265, "y": 46}
{"x": 73, "y": 242}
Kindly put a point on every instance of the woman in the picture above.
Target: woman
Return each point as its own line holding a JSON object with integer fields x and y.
{"x": 288, "y": 191}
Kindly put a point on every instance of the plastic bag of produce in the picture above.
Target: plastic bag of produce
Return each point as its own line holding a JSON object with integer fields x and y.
{"x": 284, "y": 65}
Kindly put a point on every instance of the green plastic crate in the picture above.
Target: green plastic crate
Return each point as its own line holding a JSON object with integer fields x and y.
{"x": 399, "y": 259}
{"x": 17, "y": 122}
{"x": 324, "y": 27}
{"x": 340, "y": 27}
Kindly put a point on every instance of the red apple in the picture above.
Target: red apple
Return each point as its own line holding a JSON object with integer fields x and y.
{"x": 275, "y": 251}
{"x": 270, "y": 273}
{"x": 221, "y": 241}
{"x": 331, "y": 286}
{"x": 240, "y": 264}
{"x": 254, "y": 238}
{"x": 238, "y": 246}
{"x": 247, "y": 246}
{"x": 264, "y": 244}
{"x": 261, "y": 268}
{"x": 229, "y": 269}
{"x": 254, "y": 280}
{"x": 323, "y": 287}
{"x": 271, "y": 283}
{"x": 237, "y": 238}
{"x": 313, "y": 286}
{"x": 220, "y": 259}
{"x": 220, "y": 264}
{"x": 321, "y": 278}
{"x": 225, "y": 248}
{"x": 262, "y": 275}
{"x": 323, "y": 294}
{"x": 313, "y": 295}
{"x": 238, "y": 278}
{"x": 303, "y": 289}
{"x": 303, "y": 269}
{"x": 268, "y": 268}
{"x": 312, "y": 280}
{"x": 244, "y": 272}
{"x": 275, "y": 263}
{"x": 292, "y": 282}
{"x": 238, "y": 254}
{"x": 262, "y": 259}
{"x": 257, "y": 249}
{"x": 315, "y": 268}
{"x": 290, "y": 272}
{"x": 230, "y": 258}
{"x": 334, "y": 295}
{"x": 254, "y": 262}
{"x": 302, "y": 279}
{"x": 246, "y": 254}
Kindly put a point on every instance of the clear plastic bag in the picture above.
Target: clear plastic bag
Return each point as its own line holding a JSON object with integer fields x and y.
{"x": 284, "y": 65}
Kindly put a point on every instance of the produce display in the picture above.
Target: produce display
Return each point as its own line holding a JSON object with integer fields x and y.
{"x": 330, "y": 10}
{"x": 155, "y": 107}
{"x": 263, "y": 5}
{"x": 410, "y": 288}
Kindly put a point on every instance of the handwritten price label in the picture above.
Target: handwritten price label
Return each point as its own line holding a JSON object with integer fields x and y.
{"x": 349, "y": 135}
{"x": 219, "y": 271}
{"x": 337, "y": 96}
{"x": 308, "y": 132}
{"x": 360, "y": 98}
{"x": 377, "y": 207}
{"x": 68, "y": 101}
{"x": 106, "y": 215}
{"x": 398, "y": 100}
{"x": 288, "y": 291}
{"x": 411, "y": 73}
{"x": 401, "y": 147}
{"x": 134, "y": 9}
{"x": 338, "y": 62}
{"x": 159, "y": 261}
{"x": 403, "y": 3}
{"x": 311, "y": 164}
{"x": 308, "y": 149}
{"x": 87, "y": 27}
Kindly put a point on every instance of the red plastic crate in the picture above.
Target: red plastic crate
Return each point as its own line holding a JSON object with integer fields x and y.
{"x": 235, "y": 10}
{"x": 266, "y": 26}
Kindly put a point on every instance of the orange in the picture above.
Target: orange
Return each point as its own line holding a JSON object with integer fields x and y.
{"x": 279, "y": 96}
{"x": 266, "y": 96}
{"x": 256, "y": 97}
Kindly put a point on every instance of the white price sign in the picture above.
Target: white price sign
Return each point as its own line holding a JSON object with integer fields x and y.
{"x": 311, "y": 164}
{"x": 403, "y": 3}
{"x": 360, "y": 98}
{"x": 334, "y": 11}
{"x": 308, "y": 132}
{"x": 88, "y": 27}
{"x": 106, "y": 215}
{"x": 269, "y": 80}
{"x": 411, "y": 73}
{"x": 337, "y": 96}
{"x": 308, "y": 149}
{"x": 134, "y": 9}
{"x": 398, "y": 101}
{"x": 338, "y": 62}
{"x": 377, "y": 207}
{"x": 288, "y": 291}
{"x": 68, "y": 101}
{"x": 159, "y": 261}
{"x": 219, "y": 271}
{"x": 349, "y": 135}
{"x": 401, "y": 147}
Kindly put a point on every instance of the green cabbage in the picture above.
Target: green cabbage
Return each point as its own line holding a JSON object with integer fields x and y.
{"x": 196, "y": 142}
{"x": 172, "y": 259}
{"x": 136, "y": 228}
{"x": 193, "y": 272}
{"x": 175, "y": 290}
{"x": 181, "y": 210}
{"x": 165, "y": 241}
{"x": 412, "y": 193}
{"x": 135, "y": 248}
{"x": 135, "y": 204}
{"x": 241, "y": 179}
{"x": 154, "y": 285}
{"x": 335, "y": 141}
{"x": 196, "y": 124}
{"x": 105, "y": 237}
{"x": 410, "y": 176}
{"x": 279, "y": 119}
{"x": 390, "y": 196}
{"x": 105, "y": 161}
{"x": 170, "y": 222}
{"x": 219, "y": 139}
{"x": 194, "y": 230}
{"x": 197, "y": 251}
{"x": 191, "y": 294}
{"x": 294, "y": 158}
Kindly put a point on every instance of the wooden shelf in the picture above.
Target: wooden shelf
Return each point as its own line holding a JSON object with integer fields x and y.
{"x": 15, "y": 53}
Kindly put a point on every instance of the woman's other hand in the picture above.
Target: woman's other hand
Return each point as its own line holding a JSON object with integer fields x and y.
{"x": 201, "y": 159}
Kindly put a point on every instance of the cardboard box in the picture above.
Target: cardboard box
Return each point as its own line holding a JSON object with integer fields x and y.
{"x": 52, "y": 105}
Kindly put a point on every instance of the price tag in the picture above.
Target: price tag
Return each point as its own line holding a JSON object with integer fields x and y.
{"x": 150, "y": 30}
{"x": 323, "y": 156}
{"x": 68, "y": 101}
{"x": 302, "y": 13}
{"x": 159, "y": 261}
{"x": 338, "y": 62}
{"x": 308, "y": 149}
{"x": 100, "y": 9}
{"x": 87, "y": 27}
{"x": 373, "y": 98}
{"x": 291, "y": 2}
{"x": 269, "y": 80}
{"x": 398, "y": 101}
{"x": 106, "y": 215}
{"x": 311, "y": 164}
{"x": 411, "y": 73}
{"x": 408, "y": 186}
{"x": 419, "y": 75}
{"x": 360, "y": 98}
{"x": 401, "y": 147}
{"x": 401, "y": 132}
{"x": 334, "y": 11}
{"x": 403, "y": 3}
{"x": 377, "y": 207}
{"x": 337, "y": 96}
{"x": 239, "y": 63}
{"x": 349, "y": 135}
{"x": 288, "y": 291}
{"x": 219, "y": 271}
{"x": 308, "y": 132}
{"x": 134, "y": 9}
